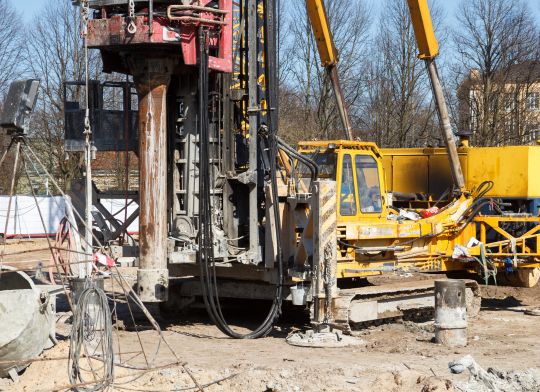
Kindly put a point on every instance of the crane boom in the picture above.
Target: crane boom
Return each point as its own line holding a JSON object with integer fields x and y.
{"x": 428, "y": 51}
{"x": 329, "y": 57}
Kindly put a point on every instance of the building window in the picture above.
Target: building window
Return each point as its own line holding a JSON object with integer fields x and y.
{"x": 532, "y": 101}
{"x": 532, "y": 133}
{"x": 509, "y": 102}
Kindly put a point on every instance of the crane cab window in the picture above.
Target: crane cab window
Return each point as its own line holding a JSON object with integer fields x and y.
{"x": 325, "y": 161}
{"x": 347, "y": 198}
{"x": 369, "y": 188}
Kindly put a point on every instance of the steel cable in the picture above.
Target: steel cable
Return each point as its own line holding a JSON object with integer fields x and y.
{"x": 92, "y": 325}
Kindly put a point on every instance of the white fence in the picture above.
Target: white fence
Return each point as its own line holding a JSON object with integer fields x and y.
{"x": 24, "y": 218}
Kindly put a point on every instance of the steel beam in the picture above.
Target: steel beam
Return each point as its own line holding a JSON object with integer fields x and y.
{"x": 253, "y": 110}
{"x": 446, "y": 128}
{"x": 324, "y": 286}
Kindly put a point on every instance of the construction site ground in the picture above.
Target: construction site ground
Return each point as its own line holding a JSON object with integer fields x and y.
{"x": 395, "y": 357}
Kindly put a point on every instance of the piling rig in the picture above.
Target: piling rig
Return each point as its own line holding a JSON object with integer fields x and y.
{"x": 207, "y": 147}
{"x": 227, "y": 207}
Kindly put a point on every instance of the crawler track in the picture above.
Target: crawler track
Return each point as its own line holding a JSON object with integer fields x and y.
{"x": 358, "y": 308}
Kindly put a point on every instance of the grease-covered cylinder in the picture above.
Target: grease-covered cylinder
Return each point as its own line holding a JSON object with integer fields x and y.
{"x": 450, "y": 313}
{"x": 151, "y": 77}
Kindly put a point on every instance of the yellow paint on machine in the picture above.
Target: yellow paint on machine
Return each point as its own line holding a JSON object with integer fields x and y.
{"x": 321, "y": 30}
{"x": 512, "y": 169}
{"x": 423, "y": 29}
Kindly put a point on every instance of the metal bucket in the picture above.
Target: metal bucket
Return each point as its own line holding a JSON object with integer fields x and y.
{"x": 78, "y": 284}
{"x": 26, "y": 320}
{"x": 94, "y": 310}
{"x": 298, "y": 295}
{"x": 450, "y": 313}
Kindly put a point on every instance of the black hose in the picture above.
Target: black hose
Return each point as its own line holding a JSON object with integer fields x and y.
{"x": 483, "y": 188}
{"x": 206, "y": 250}
{"x": 312, "y": 166}
{"x": 476, "y": 207}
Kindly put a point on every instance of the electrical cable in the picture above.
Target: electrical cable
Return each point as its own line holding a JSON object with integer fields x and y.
{"x": 92, "y": 323}
{"x": 206, "y": 251}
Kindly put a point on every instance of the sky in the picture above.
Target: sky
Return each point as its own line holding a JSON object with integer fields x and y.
{"x": 29, "y": 7}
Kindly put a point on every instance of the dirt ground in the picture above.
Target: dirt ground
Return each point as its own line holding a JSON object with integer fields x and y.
{"x": 395, "y": 357}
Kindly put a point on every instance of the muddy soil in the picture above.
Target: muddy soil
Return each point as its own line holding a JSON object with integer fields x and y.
{"x": 398, "y": 357}
{"x": 395, "y": 357}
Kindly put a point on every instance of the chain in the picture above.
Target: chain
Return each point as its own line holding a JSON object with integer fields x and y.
{"x": 84, "y": 17}
{"x": 131, "y": 8}
{"x": 85, "y": 12}
{"x": 132, "y": 27}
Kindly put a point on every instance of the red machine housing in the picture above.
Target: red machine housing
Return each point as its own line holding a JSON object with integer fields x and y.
{"x": 178, "y": 28}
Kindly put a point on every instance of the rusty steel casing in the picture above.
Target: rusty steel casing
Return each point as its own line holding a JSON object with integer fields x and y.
{"x": 450, "y": 313}
{"x": 151, "y": 77}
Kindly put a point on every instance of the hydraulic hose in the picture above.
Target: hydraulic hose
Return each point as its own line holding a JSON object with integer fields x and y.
{"x": 312, "y": 166}
{"x": 483, "y": 188}
{"x": 206, "y": 250}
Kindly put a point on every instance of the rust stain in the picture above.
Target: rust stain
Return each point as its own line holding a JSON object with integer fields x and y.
{"x": 152, "y": 89}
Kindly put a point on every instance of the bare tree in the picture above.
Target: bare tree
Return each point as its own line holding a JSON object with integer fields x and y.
{"x": 310, "y": 111}
{"x": 494, "y": 37}
{"x": 10, "y": 56}
{"x": 398, "y": 110}
{"x": 54, "y": 53}
{"x": 10, "y": 43}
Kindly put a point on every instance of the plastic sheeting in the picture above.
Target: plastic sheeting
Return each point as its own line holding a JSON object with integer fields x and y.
{"x": 24, "y": 220}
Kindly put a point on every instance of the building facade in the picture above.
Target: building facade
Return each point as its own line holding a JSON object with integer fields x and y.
{"x": 502, "y": 108}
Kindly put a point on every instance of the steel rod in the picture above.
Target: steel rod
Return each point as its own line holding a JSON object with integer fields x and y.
{"x": 340, "y": 102}
{"x": 446, "y": 128}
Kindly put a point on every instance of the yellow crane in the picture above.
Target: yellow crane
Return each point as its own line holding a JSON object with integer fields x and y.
{"x": 372, "y": 237}
{"x": 329, "y": 58}
{"x": 428, "y": 51}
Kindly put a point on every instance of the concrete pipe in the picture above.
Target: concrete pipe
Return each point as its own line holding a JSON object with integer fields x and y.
{"x": 26, "y": 320}
{"x": 450, "y": 313}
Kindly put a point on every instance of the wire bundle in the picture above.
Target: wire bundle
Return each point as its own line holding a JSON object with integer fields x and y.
{"x": 92, "y": 325}
{"x": 206, "y": 251}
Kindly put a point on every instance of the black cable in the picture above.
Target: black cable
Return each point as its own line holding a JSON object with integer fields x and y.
{"x": 483, "y": 188}
{"x": 206, "y": 252}
{"x": 443, "y": 196}
{"x": 312, "y": 166}
{"x": 476, "y": 208}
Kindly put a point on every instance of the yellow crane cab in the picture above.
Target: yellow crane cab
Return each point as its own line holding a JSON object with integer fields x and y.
{"x": 358, "y": 171}
{"x": 369, "y": 229}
